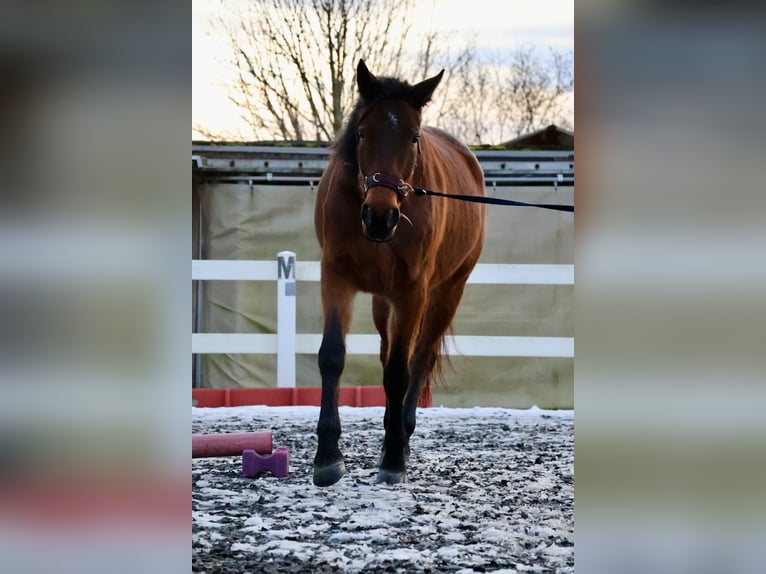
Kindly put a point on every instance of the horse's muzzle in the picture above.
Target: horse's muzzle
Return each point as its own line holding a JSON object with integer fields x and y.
{"x": 379, "y": 227}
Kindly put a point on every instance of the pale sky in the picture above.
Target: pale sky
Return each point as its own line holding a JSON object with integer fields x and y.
{"x": 494, "y": 24}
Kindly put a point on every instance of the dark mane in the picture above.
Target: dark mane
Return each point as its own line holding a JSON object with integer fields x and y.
{"x": 345, "y": 144}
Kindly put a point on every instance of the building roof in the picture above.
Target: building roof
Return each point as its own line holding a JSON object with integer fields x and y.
{"x": 552, "y": 137}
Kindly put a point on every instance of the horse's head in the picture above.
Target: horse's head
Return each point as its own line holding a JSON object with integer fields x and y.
{"x": 387, "y": 146}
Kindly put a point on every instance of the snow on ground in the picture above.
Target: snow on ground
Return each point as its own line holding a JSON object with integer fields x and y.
{"x": 490, "y": 490}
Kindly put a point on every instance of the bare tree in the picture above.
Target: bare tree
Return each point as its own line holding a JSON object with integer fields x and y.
{"x": 292, "y": 64}
{"x": 466, "y": 103}
{"x": 505, "y": 95}
{"x": 532, "y": 88}
{"x": 293, "y": 60}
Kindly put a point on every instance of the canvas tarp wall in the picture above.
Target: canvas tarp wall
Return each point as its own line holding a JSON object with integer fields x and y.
{"x": 256, "y": 222}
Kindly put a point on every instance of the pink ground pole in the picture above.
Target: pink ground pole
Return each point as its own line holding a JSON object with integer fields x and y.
{"x": 231, "y": 444}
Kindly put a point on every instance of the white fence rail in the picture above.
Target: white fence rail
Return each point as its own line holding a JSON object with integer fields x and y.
{"x": 286, "y": 342}
{"x": 485, "y": 273}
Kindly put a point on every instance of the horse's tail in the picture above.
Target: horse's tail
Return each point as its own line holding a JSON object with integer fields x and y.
{"x": 437, "y": 373}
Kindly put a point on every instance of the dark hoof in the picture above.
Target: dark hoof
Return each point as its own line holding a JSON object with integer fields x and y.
{"x": 391, "y": 476}
{"x": 329, "y": 474}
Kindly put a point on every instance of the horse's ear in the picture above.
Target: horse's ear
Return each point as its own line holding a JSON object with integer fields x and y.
{"x": 421, "y": 93}
{"x": 367, "y": 83}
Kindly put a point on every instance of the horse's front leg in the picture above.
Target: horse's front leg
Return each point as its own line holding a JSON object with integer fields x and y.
{"x": 337, "y": 299}
{"x": 396, "y": 380}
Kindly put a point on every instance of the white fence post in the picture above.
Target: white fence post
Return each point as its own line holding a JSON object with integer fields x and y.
{"x": 286, "y": 319}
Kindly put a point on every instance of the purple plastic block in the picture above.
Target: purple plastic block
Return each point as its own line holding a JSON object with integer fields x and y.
{"x": 277, "y": 462}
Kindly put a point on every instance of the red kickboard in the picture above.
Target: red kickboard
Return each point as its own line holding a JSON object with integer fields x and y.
{"x": 359, "y": 396}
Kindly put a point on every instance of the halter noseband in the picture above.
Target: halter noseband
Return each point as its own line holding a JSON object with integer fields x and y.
{"x": 384, "y": 179}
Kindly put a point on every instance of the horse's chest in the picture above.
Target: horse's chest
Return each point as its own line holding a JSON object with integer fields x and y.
{"x": 375, "y": 269}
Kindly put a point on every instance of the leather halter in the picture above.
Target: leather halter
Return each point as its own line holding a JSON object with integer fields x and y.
{"x": 385, "y": 179}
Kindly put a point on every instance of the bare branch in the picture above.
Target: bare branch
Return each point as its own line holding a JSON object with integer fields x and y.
{"x": 292, "y": 67}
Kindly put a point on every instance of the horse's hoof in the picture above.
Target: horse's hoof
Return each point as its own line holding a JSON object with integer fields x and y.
{"x": 391, "y": 476}
{"x": 329, "y": 474}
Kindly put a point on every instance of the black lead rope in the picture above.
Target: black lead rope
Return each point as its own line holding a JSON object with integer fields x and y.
{"x": 492, "y": 200}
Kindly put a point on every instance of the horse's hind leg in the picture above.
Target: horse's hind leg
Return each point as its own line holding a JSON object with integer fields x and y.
{"x": 404, "y": 324}
{"x": 337, "y": 298}
{"x": 443, "y": 302}
{"x": 381, "y": 311}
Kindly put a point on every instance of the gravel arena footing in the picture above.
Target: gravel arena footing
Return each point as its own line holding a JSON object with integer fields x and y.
{"x": 489, "y": 490}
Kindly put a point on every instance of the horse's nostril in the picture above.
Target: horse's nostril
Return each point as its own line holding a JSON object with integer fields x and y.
{"x": 367, "y": 215}
{"x": 392, "y": 218}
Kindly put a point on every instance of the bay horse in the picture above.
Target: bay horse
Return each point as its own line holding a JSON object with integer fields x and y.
{"x": 413, "y": 254}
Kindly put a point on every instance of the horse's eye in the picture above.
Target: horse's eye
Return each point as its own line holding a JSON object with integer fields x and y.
{"x": 415, "y": 139}
{"x": 360, "y": 134}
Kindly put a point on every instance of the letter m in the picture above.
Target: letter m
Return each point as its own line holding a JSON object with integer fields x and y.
{"x": 286, "y": 267}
